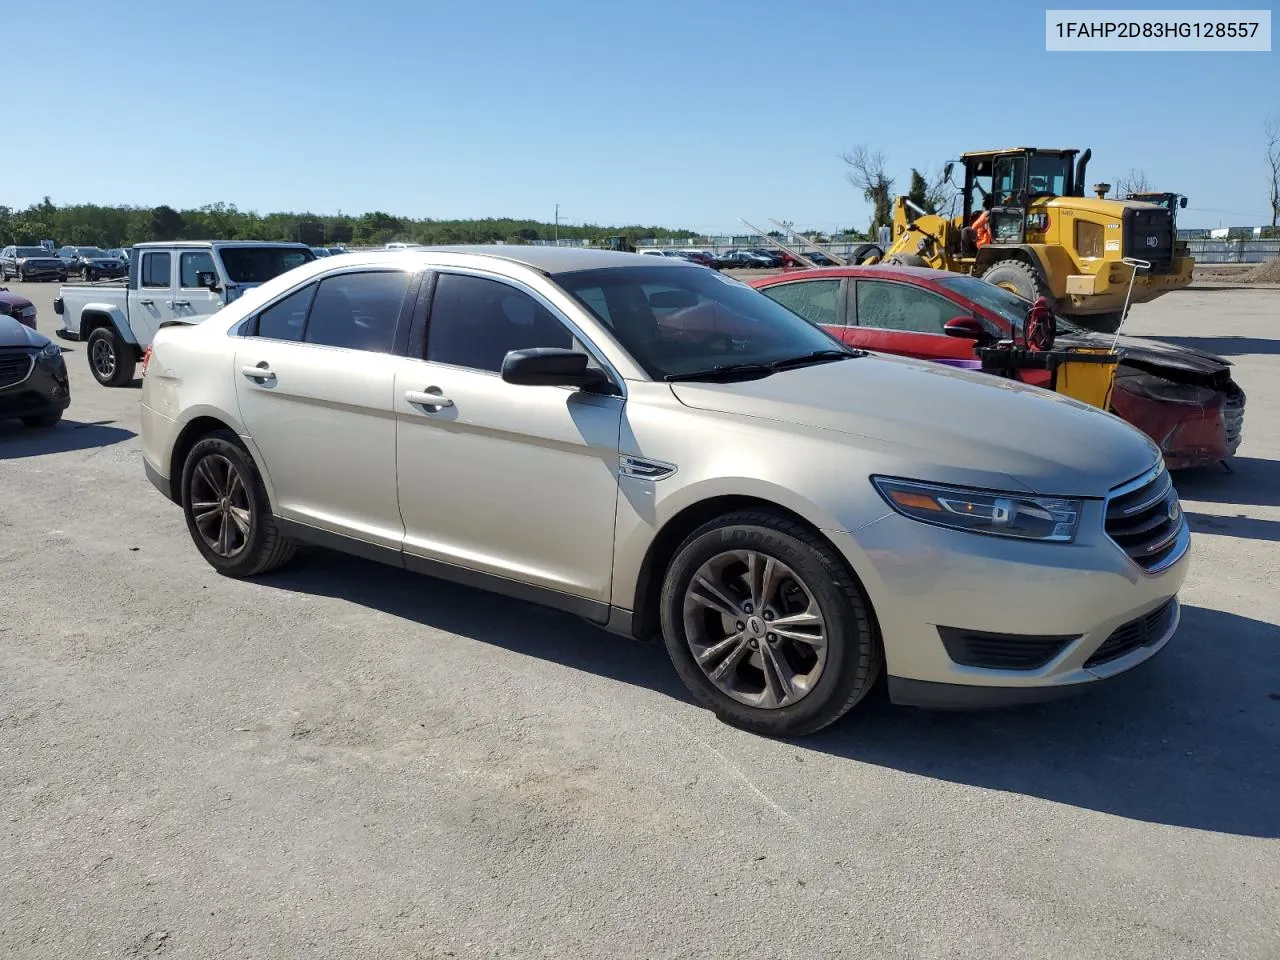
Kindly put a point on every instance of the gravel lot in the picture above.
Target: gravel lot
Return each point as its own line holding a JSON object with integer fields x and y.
{"x": 342, "y": 760}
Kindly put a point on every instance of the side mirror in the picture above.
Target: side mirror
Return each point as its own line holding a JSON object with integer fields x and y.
{"x": 1182, "y": 202}
{"x": 209, "y": 280}
{"x": 946, "y": 171}
{"x": 551, "y": 367}
{"x": 966, "y": 328}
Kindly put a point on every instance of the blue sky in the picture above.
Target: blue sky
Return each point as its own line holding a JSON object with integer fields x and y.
{"x": 657, "y": 112}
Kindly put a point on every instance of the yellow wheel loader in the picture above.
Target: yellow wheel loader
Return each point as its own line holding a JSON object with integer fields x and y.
{"x": 1041, "y": 236}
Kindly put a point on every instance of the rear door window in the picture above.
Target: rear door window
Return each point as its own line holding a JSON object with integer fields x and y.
{"x": 358, "y": 311}
{"x": 191, "y": 265}
{"x": 157, "y": 270}
{"x": 818, "y": 301}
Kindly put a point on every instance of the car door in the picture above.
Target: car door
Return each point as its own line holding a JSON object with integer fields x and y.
{"x": 512, "y": 481}
{"x": 194, "y": 300}
{"x": 894, "y": 317}
{"x": 153, "y": 303}
{"x": 820, "y": 300}
{"x": 314, "y": 374}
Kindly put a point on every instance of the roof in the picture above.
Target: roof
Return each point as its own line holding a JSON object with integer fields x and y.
{"x": 549, "y": 259}
{"x": 987, "y": 153}
{"x": 205, "y": 244}
{"x": 884, "y": 270}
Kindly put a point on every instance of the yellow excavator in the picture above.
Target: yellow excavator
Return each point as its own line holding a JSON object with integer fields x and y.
{"x": 1046, "y": 238}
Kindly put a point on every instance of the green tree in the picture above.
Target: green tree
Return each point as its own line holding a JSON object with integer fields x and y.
{"x": 166, "y": 223}
{"x": 919, "y": 193}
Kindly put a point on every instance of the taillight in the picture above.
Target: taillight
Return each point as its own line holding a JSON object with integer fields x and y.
{"x": 146, "y": 357}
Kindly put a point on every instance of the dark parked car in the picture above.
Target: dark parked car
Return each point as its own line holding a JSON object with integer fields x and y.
{"x": 93, "y": 263}
{"x": 33, "y": 376}
{"x": 30, "y": 263}
{"x": 746, "y": 259}
{"x": 1185, "y": 400}
{"x": 18, "y": 307}
{"x": 120, "y": 253}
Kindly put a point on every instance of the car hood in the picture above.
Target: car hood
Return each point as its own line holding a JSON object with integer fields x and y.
{"x": 14, "y": 334}
{"x": 1152, "y": 355}
{"x": 973, "y": 423}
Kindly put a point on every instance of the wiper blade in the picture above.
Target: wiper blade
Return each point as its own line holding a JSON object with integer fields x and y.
{"x": 728, "y": 371}
{"x": 818, "y": 356}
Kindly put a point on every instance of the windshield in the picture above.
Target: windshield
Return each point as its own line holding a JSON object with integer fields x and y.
{"x": 680, "y": 320}
{"x": 90, "y": 252}
{"x": 260, "y": 264}
{"x": 31, "y": 252}
{"x": 1048, "y": 173}
{"x": 1001, "y": 302}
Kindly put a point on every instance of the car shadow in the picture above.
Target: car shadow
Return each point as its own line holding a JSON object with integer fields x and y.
{"x": 1246, "y": 528}
{"x": 1191, "y": 739}
{"x": 17, "y": 441}
{"x": 515, "y": 625}
{"x": 1224, "y": 346}
{"x": 1248, "y": 481}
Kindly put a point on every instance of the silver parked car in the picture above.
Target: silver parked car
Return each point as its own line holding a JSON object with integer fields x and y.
{"x": 669, "y": 453}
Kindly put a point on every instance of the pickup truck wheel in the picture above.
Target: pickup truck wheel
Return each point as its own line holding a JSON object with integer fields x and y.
{"x": 227, "y": 510}
{"x": 111, "y": 360}
{"x": 766, "y": 626}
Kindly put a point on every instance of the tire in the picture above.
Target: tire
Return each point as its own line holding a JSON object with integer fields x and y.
{"x": 906, "y": 260}
{"x": 44, "y": 421}
{"x": 1099, "y": 322}
{"x": 834, "y": 675}
{"x": 1017, "y": 277}
{"x": 111, "y": 360}
{"x": 236, "y": 534}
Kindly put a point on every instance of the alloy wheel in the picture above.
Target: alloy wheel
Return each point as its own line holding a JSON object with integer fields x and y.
{"x": 220, "y": 506}
{"x": 103, "y": 357}
{"x": 755, "y": 629}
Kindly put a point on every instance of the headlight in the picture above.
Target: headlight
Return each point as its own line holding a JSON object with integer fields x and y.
{"x": 49, "y": 351}
{"x": 983, "y": 511}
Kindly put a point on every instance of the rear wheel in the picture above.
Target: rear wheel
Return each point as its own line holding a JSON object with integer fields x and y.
{"x": 766, "y": 626}
{"x": 228, "y": 514}
{"x": 111, "y": 360}
{"x": 1018, "y": 278}
{"x": 1100, "y": 322}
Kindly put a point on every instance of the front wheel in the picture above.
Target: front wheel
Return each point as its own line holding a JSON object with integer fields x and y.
{"x": 766, "y": 626}
{"x": 44, "y": 421}
{"x": 228, "y": 514}
{"x": 111, "y": 360}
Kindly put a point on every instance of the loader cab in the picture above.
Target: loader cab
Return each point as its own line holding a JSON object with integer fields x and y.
{"x": 1008, "y": 182}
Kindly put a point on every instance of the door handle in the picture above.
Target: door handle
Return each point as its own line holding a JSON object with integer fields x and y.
{"x": 182, "y": 303}
{"x": 147, "y": 303}
{"x": 431, "y": 397}
{"x": 261, "y": 372}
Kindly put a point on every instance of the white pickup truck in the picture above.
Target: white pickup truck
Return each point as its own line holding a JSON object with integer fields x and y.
{"x": 180, "y": 282}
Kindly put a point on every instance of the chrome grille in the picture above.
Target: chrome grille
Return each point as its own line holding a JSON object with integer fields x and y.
{"x": 1144, "y": 518}
{"x": 15, "y": 368}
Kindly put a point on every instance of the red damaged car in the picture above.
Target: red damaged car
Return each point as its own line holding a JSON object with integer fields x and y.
{"x": 1183, "y": 399}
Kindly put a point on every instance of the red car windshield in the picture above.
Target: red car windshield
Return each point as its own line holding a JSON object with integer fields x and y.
{"x": 1009, "y": 306}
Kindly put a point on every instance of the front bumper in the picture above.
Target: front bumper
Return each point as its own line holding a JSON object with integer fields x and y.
{"x": 1188, "y": 434}
{"x": 1105, "y": 291}
{"x": 41, "y": 272}
{"x": 921, "y": 578}
{"x": 45, "y": 389}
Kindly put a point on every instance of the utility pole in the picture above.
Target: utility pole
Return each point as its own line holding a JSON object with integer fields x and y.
{"x": 557, "y": 224}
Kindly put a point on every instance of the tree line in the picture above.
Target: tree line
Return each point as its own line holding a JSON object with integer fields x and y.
{"x": 88, "y": 224}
